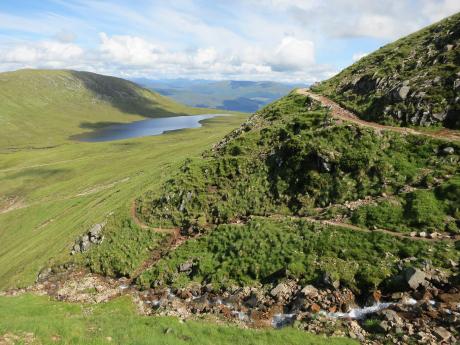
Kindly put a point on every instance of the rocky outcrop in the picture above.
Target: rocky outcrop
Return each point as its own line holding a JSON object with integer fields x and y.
{"x": 93, "y": 237}
{"x": 414, "y": 81}
{"x": 428, "y": 315}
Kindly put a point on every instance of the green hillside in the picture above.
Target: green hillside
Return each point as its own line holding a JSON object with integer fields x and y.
{"x": 297, "y": 198}
{"x": 293, "y": 160}
{"x": 300, "y": 215}
{"x": 53, "y": 189}
{"x": 413, "y": 81}
{"x": 45, "y": 107}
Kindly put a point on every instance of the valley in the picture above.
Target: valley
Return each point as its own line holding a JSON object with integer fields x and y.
{"x": 330, "y": 215}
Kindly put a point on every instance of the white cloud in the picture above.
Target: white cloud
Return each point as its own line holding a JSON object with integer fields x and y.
{"x": 385, "y": 19}
{"x": 293, "y": 54}
{"x": 135, "y": 56}
{"x": 42, "y": 52}
{"x": 248, "y": 39}
{"x": 437, "y": 10}
{"x": 129, "y": 50}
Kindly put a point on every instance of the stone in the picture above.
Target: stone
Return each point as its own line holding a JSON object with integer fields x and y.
{"x": 403, "y": 92}
{"x": 325, "y": 166}
{"x": 448, "y": 150}
{"x": 456, "y": 84}
{"x": 284, "y": 290}
{"x": 326, "y": 280}
{"x": 252, "y": 301}
{"x": 315, "y": 308}
{"x": 186, "y": 266}
{"x": 84, "y": 245}
{"x": 333, "y": 309}
{"x": 450, "y": 297}
{"x": 452, "y": 263}
{"x": 413, "y": 234}
{"x": 377, "y": 295}
{"x": 397, "y": 296}
{"x": 414, "y": 277}
{"x": 422, "y": 234}
{"x": 442, "y": 334}
{"x": 364, "y": 84}
{"x": 384, "y": 326}
{"x": 391, "y": 316}
{"x": 434, "y": 235}
{"x": 96, "y": 229}
{"x": 310, "y": 291}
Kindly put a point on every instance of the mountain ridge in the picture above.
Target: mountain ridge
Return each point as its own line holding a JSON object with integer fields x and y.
{"x": 414, "y": 81}
{"x": 60, "y": 103}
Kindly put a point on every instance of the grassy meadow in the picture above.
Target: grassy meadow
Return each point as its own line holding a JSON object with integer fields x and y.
{"x": 52, "y": 195}
{"x": 52, "y": 188}
{"x": 47, "y": 322}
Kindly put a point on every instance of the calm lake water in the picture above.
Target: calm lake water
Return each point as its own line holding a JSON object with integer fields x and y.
{"x": 144, "y": 128}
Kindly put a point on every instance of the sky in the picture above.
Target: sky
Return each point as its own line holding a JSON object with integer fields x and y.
{"x": 279, "y": 40}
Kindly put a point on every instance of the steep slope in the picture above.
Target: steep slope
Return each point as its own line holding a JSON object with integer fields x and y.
{"x": 296, "y": 197}
{"x": 413, "y": 81}
{"x": 46, "y": 106}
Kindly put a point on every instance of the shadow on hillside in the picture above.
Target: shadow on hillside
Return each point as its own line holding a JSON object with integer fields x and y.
{"x": 98, "y": 125}
{"x": 122, "y": 94}
{"x": 39, "y": 173}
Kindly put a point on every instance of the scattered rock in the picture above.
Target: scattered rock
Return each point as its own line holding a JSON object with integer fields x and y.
{"x": 284, "y": 291}
{"x": 448, "y": 150}
{"x": 315, "y": 308}
{"x": 414, "y": 277}
{"x": 403, "y": 92}
{"x": 310, "y": 291}
{"x": 391, "y": 316}
{"x": 442, "y": 334}
{"x": 186, "y": 266}
{"x": 326, "y": 280}
{"x": 93, "y": 236}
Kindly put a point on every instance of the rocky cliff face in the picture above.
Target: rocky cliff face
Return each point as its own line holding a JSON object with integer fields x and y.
{"x": 413, "y": 81}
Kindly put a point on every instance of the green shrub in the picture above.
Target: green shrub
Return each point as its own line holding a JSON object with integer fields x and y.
{"x": 425, "y": 210}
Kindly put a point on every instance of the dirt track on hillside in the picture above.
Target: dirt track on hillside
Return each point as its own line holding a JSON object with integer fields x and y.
{"x": 345, "y": 115}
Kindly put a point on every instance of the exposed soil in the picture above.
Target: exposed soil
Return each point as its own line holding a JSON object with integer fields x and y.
{"x": 345, "y": 115}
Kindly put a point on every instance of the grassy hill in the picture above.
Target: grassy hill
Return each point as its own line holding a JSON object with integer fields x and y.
{"x": 413, "y": 81}
{"x": 45, "y": 107}
{"x": 293, "y": 160}
{"x": 52, "y": 188}
{"x": 293, "y": 197}
{"x": 246, "y": 96}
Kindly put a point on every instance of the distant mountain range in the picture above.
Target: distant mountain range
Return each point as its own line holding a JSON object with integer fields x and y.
{"x": 245, "y": 96}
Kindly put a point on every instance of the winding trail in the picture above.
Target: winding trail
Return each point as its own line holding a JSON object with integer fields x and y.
{"x": 173, "y": 239}
{"x": 340, "y": 113}
{"x": 337, "y": 223}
